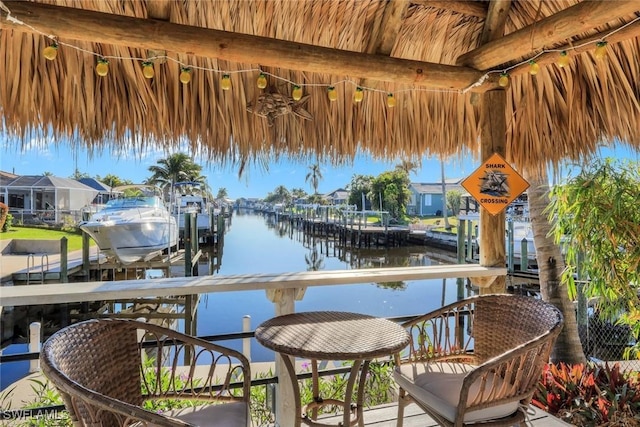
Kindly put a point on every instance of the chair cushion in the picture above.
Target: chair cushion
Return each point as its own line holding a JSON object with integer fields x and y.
{"x": 437, "y": 385}
{"x": 232, "y": 414}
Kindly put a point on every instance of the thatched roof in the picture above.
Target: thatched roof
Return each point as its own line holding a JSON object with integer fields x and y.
{"x": 435, "y": 57}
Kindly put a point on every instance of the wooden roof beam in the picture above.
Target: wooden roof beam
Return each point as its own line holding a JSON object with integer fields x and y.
{"x": 581, "y": 18}
{"x": 584, "y": 45}
{"x": 621, "y": 33}
{"x": 471, "y": 8}
{"x": 495, "y": 22}
{"x": 97, "y": 27}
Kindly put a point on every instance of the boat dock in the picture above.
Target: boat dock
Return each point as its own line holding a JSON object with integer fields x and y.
{"x": 351, "y": 228}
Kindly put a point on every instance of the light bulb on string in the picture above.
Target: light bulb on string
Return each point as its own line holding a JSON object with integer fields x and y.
{"x": 102, "y": 68}
{"x": 358, "y": 95}
{"x": 601, "y": 49}
{"x": 262, "y": 81}
{"x": 332, "y": 93}
{"x": 147, "y": 70}
{"x": 296, "y": 94}
{"x": 503, "y": 81}
{"x": 563, "y": 60}
{"x": 225, "y": 82}
{"x": 50, "y": 52}
{"x": 185, "y": 75}
{"x": 534, "y": 67}
{"x": 391, "y": 100}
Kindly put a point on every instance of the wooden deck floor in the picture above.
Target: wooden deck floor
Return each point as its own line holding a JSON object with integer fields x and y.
{"x": 385, "y": 416}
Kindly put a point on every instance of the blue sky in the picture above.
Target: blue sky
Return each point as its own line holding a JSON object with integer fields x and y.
{"x": 37, "y": 157}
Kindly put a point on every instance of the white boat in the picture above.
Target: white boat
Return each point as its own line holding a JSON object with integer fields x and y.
{"x": 189, "y": 197}
{"x": 133, "y": 228}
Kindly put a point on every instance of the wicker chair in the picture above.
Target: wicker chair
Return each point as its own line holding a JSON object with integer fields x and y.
{"x": 107, "y": 369}
{"x": 477, "y": 361}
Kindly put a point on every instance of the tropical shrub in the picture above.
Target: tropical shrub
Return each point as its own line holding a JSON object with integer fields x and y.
{"x": 4, "y": 212}
{"x": 590, "y": 394}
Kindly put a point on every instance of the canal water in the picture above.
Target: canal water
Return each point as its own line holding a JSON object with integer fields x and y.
{"x": 255, "y": 243}
{"x": 260, "y": 244}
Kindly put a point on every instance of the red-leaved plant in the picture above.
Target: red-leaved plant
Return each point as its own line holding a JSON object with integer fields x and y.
{"x": 590, "y": 395}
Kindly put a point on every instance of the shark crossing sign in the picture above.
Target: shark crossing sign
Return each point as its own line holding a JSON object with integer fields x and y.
{"x": 495, "y": 184}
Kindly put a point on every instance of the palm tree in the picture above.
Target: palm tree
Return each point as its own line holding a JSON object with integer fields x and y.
{"x": 314, "y": 176}
{"x": 112, "y": 180}
{"x": 282, "y": 194}
{"x": 175, "y": 168}
{"x": 408, "y": 166}
{"x": 447, "y": 226}
{"x": 222, "y": 193}
{"x": 551, "y": 265}
{"x": 298, "y": 193}
{"x": 79, "y": 175}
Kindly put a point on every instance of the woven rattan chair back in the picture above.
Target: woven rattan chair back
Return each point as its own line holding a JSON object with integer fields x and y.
{"x": 106, "y": 369}
{"x": 481, "y": 342}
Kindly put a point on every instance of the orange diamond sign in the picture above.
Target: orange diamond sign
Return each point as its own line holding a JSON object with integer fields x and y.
{"x": 495, "y": 184}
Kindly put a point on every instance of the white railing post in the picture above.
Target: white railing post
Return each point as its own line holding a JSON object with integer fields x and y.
{"x": 246, "y": 342}
{"x": 34, "y": 345}
{"x": 284, "y": 302}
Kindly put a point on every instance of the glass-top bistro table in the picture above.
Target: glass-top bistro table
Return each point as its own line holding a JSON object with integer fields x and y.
{"x": 331, "y": 335}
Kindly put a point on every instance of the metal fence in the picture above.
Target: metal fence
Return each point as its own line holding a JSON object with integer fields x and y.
{"x": 606, "y": 341}
{"x": 48, "y": 217}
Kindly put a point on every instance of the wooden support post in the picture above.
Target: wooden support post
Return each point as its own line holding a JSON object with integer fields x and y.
{"x": 524, "y": 255}
{"x": 461, "y": 248}
{"x": 64, "y": 261}
{"x": 188, "y": 248}
{"x": 470, "y": 240}
{"x": 510, "y": 248}
{"x": 492, "y": 227}
{"x": 86, "y": 245}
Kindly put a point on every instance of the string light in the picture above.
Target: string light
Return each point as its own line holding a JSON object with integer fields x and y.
{"x": 563, "y": 60}
{"x": 147, "y": 70}
{"x": 358, "y": 95}
{"x": 503, "y": 81}
{"x": 332, "y": 93}
{"x": 102, "y": 68}
{"x": 225, "y": 82}
{"x": 262, "y": 81}
{"x": 296, "y": 94}
{"x": 534, "y": 67}
{"x": 601, "y": 49}
{"x": 185, "y": 75}
{"x": 50, "y": 52}
{"x": 599, "y": 53}
{"x": 391, "y": 100}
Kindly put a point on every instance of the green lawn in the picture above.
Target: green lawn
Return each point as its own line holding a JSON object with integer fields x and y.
{"x": 27, "y": 233}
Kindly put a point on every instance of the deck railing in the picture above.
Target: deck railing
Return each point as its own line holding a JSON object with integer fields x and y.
{"x": 281, "y": 288}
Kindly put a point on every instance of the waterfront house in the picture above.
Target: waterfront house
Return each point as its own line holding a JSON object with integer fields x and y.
{"x": 337, "y": 197}
{"x": 105, "y": 192}
{"x": 44, "y": 198}
{"x": 427, "y": 198}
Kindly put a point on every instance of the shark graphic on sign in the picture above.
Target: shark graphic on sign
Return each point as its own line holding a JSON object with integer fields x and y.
{"x": 495, "y": 184}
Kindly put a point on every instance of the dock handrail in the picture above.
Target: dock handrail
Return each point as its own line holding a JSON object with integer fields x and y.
{"x": 114, "y": 290}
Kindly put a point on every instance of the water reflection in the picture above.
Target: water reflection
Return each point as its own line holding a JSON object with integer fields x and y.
{"x": 259, "y": 244}
{"x": 314, "y": 260}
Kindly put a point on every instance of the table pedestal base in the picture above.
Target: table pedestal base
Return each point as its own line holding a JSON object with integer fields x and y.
{"x": 352, "y": 413}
